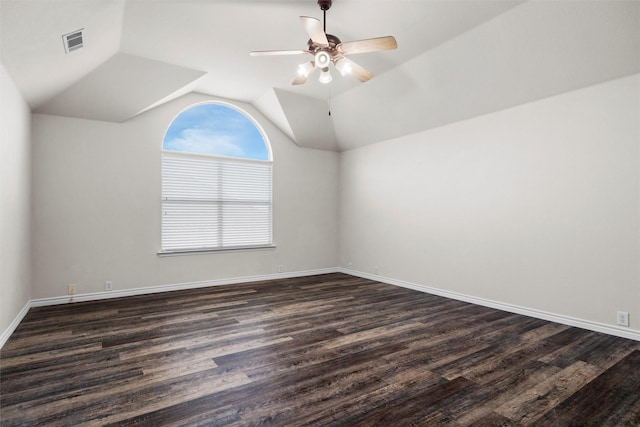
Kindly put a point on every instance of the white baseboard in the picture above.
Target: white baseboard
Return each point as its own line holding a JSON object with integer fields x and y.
{"x": 42, "y": 302}
{"x": 12, "y": 327}
{"x": 538, "y": 314}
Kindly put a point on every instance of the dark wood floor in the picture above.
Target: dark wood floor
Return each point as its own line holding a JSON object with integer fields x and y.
{"x": 322, "y": 350}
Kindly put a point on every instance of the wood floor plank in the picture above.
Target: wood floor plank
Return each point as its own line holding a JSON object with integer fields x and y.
{"x": 527, "y": 407}
{"x": 506, "y": 384}
{"x": 329, "y": 349}
{"x": 413, "y": 404}
{"x": 612, "y": 399}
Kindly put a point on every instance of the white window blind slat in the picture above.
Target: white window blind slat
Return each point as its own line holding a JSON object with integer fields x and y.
{"x": 215, "y": 203}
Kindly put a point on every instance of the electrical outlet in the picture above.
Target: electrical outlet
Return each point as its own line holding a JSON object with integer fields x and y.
{"x": 349, "y": 264}
{"x": 375, "y": 270}
{"x": 108, "y": 285}
{"x": 72, "y": 289}
{"x": 623, "y": 318}
{"x": 280, "y": 268}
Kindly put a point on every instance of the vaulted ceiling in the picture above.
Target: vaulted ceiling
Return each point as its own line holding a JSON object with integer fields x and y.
{"x": 141, "y": 53}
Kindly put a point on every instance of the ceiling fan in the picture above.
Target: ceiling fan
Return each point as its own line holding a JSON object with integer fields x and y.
{"x": 327, "y": 49}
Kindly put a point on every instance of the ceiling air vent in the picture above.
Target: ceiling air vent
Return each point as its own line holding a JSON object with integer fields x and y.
{"x": 73, "y": 41}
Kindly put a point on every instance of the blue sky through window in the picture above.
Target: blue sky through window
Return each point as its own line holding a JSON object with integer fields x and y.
{"x": 215, "y": 129}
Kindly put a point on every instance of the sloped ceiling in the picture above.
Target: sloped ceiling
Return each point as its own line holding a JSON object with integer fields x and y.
{"x": 32, "y": 50}
{"x": 455, "y": 59}
{"x": 550, "y": 48}
{"x": 120, "y": 88}
{"x": 304, "y": 119}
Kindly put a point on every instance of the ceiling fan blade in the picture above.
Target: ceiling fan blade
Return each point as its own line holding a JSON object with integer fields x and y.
{"x": 368, "y": 45}
{"x": 313, "y": 27}
{"x": 276, "y": 52}
{"x": 358, "y": 71}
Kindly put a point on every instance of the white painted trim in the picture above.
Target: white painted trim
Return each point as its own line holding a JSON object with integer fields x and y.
{"x": 42, "y": 302}
{"x": 511, "y": 308}
{"x": 174, "y": 287}
{"x": 12, "y": 327}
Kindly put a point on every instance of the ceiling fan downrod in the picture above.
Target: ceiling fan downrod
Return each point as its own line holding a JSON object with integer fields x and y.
{"x": 324, "y": 6}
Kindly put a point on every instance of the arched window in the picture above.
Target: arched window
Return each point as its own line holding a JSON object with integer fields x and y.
{"x": 216, "y": 181}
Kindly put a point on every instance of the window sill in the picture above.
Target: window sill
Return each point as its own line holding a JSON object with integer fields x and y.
{"x": 214, "y": 250}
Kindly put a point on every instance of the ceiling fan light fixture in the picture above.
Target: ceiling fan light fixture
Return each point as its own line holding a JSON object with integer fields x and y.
{"x": 344, "y": 67}
{"x": 325, "y": 76}
{"x": 305, "y": 69}
{"x": 323, "y": 59}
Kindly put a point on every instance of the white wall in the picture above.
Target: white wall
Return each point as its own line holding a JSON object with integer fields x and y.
{"x": 536, "y": 206}
{"x": 97, "y": 207}
{"x": 15, "y": 201}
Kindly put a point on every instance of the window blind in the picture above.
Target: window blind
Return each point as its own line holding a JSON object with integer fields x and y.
{"x": 214, "y": 203}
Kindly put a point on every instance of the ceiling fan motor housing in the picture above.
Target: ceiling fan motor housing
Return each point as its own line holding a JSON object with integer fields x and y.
{"x": 331, "y": 48}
